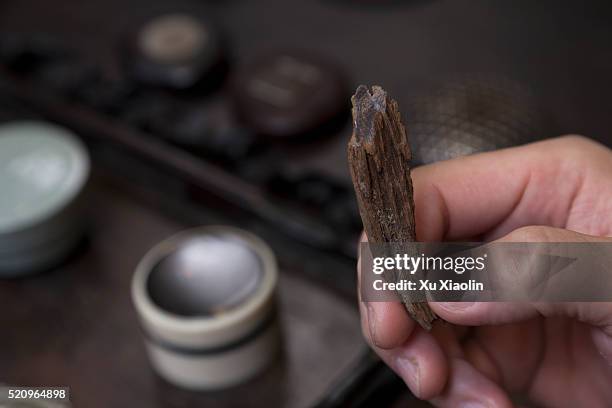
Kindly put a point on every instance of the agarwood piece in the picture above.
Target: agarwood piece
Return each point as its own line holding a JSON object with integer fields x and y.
{"x": 379, "y": 157}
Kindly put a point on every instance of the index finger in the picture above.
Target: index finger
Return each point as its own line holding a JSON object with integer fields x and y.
{"x": 496, "y": 192}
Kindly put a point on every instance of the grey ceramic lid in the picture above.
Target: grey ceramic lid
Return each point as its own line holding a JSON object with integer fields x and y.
{"x": 43, "y": 167}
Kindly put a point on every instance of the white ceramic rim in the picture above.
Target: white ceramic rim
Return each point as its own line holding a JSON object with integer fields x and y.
{"x": 161, "y": 319}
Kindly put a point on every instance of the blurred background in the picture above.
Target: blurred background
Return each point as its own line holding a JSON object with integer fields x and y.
{"x": 237, "y": 112}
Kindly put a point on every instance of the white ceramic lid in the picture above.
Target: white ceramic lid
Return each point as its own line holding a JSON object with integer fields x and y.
{"x": 43, "y": 168}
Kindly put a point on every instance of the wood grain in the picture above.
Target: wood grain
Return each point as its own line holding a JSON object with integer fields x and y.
{"x": 379, "y": 156}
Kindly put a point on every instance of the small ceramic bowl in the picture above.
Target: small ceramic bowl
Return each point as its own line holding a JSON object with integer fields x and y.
{"x": 206, "y": 301}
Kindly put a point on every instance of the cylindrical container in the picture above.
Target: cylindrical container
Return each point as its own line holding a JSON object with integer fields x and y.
{"x": 175, "y": 50}
{"x": 206, "y": 301}
{"x": 43, "y": 171}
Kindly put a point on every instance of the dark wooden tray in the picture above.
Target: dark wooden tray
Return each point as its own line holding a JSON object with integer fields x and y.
{"x": 76, "y": 326}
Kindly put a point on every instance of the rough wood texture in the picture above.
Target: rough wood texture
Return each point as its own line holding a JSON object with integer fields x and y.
{"x": 379, "y": 156}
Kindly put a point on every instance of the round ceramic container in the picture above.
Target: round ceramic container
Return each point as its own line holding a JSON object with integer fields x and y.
{"x": 174, "y": 50}
{"x": 206, "y": 300}
{"x": 43, "y": 170}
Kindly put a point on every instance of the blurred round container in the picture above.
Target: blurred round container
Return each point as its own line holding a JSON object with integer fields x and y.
{"x": 43, "y": 170}
{"x": 206, "y": 301}
{"x": 178, "y": 50}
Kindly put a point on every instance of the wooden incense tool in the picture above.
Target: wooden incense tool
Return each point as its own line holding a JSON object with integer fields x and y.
{"x": 379, "y": 157}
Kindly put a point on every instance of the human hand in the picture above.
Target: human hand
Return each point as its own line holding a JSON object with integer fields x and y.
{"x": 554, "y": 354}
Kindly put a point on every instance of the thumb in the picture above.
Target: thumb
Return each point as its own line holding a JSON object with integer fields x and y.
{"x": 597, "y": 314}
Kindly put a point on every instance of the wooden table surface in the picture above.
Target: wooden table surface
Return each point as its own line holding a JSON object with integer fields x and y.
{"x": 76, "y": 325}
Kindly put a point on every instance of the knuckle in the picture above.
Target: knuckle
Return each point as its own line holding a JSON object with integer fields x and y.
{"x": 580, "y": 147}
{"x": 576, "y": 140}
{"x": 529, "y": 234}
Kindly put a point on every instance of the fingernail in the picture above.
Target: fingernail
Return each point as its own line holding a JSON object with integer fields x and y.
{"x": 456, "y": 306}
{"x": 408, "y": 369}
{"x": 371, "y": 321}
